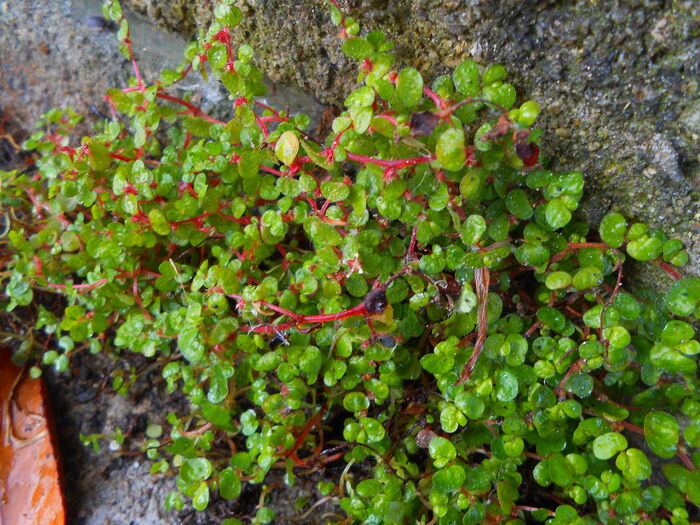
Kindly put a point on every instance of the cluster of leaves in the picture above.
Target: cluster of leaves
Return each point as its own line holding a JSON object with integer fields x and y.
{"x": 409, "y": 297}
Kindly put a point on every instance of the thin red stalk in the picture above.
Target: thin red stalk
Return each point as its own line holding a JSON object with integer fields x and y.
{"x": 272, "y": 170}
{"x": 300, "y": 319}
{"x": 241, "y": 220}
{"x": 321, "y": 318}
{"x": 282, "y": 311}
{"x": 310, "y": 425}
{"x": 397, "y": 163}
{"x": 120, "y": 157}
{"x": 412, "y": 245}
{"x": 337, "y": 138}
{"x": 686, "y": 461}
{"x": 437, "y": 99}
{"x": 229, "y": 51}
{"x": 263, "y": 128}
{"x": 572, "y": 370}
{"x": 268, "y": 108}
{"x": 137, "y": 72}
{"x": 389, "y": 118}
{"x": 272, "y": 118}
{"x": 669, "y": 270}
{"x": 194, "y": 109}
{"x": 85, "y": 286}
{"x": 267, "y": 329}
{"x": 576, "y": 246}
{"x": 197, "y": 432}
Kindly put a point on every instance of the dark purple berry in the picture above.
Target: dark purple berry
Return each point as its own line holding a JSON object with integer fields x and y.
{"x": 375, "y": 302}
{"x": 423, "y": 123}
{"x": 386, "y": 340}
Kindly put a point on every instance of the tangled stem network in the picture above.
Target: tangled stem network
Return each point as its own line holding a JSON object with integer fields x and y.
{"x": 409, "y": 299}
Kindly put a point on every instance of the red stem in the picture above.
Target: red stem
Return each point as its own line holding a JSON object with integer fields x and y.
{"x": 576, "y": 246}
{"x": 390, "y": 118}
{"x": 268, "y": 108}
{"x": 194, "y": 109}
{"x": 437, "y": 99}
{"x": 669, "y": 270}
{"x": 398, "y": 163}
{"x": 320, "y": 318}
{"x": 272, "y": 170}
{"x": 85, "y": 286}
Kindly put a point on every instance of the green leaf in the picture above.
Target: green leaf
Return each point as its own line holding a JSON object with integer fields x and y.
{"x": 661, "y": 431}
{"x": 442, "y": 451}
{"x": 587, "y": 277}
{"x": 450, "y": 418}
{"x": 355, "y": 402}
{"x": 477, "y": 480}
{"x": 195, "y": 469}
{"x": 558, "y": 280}
{"x": 466, "y": 78}
{"x": 684, "y": 480}
{"x": 190, "y": 344}
{"x": 494, "y": 73}
{"x": 409, "y": 86}
{"x": 19, "y": 289}
{"x": 368, "y": 488}
{"x": 335, "y": 191}
{"x": 200, "y": 498}
{"x": 470, "y": 404}
{"x": 518, "y": 204}
{"x": 287, "y": 147}
{"x": 560, "y": 471}
{"x": 449, "y": 479}
{"x": 321, "y": 233}
{"x": 609, "y": 444}
{"x": 374, "y": 429}
{"x": 227, "y": 15}
{"x": 528, "y": 113}
{"x": 684, "y": 296}
{"x": 437, "y": 364}
{"x": 501, "y": 93}
{"x": 634, "y": 464}
{"x": 669, "y": 359}
{"x": 362, "y": 97}
{"x": 579, "y": 384}
{"x": 645, "y": 248}
{"x": 557, "y": 214}
{"x": 158, "y": 222}
{"x": 450, "y": 150}
{"x": 361, "y": 118}
{"x": 357, "y": 47}
{"x": 218, "y": 384}
{"x": 229, "y": 484}
{"x": 506, "y": 386}
{"x": 676, "y": 332}
{"x": 612, "y": 229}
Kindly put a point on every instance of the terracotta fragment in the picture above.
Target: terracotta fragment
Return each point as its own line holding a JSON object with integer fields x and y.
{"x": 30, "y": 491}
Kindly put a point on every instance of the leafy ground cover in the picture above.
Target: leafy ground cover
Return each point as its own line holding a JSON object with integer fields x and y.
{"x": 409, "y": 300}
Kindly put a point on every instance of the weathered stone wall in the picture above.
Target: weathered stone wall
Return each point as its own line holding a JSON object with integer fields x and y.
{"x": 618, "y": 80}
